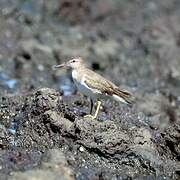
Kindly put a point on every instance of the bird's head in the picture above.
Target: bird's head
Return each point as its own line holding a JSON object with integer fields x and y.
{"x": 74, "y": 63}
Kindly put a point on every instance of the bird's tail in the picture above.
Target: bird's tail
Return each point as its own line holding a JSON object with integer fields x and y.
{"x": 123, "y": 96}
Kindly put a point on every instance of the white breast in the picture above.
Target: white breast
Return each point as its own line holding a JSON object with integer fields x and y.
{"x": 82, "y": 87}
{"x": 74, "y": 74}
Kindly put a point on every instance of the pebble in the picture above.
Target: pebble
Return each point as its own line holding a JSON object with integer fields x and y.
{"x": 81, "y": 149}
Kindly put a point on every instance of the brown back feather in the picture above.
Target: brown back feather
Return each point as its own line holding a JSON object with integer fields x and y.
{"x": 94, "y": 80}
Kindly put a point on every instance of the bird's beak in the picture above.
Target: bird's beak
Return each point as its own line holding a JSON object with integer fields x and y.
{"x": 64, "y": 65}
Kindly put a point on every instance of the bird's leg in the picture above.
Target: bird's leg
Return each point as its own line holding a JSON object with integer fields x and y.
{"x": 91, "y": 108}
{"x": 97, "y": 109}
{"x": 96, "y": 113}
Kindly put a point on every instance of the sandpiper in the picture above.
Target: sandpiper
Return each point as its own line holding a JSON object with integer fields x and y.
{"x": 94, "y": 85}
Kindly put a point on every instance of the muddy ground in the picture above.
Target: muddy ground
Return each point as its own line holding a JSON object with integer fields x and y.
{"x": 43, "y": 134}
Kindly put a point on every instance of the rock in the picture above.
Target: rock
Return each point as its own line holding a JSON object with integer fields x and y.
{"x": 81, "y": 149}
{"x": 106, "y": 48}
{"x": 152, "y": 104}
{"x": 55, "y": 157}
{"x": 46, "y": 98}
{"x": 159, "y": 110}
{"x": 103, "y": 137}
{"x": 40, "y": 174}
{"x": 57, "y": 120}
{"x": 47, "y": 121}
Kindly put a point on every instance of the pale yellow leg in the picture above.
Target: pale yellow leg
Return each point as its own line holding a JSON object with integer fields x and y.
{"x": 96, "y": 113}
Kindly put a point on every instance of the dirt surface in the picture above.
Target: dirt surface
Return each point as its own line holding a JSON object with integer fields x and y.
{"x": 43, "y": 134}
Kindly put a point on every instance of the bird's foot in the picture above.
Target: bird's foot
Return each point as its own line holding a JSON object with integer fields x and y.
{"x": 89, "y": 117}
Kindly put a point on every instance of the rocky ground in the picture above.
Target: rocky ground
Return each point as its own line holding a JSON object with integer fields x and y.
{"x": 43, "y": 134}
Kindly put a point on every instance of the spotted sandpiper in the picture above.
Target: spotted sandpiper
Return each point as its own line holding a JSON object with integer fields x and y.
{"x": 94, "y": 85}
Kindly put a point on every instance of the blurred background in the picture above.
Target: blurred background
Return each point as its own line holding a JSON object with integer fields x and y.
{"x": 133, "y": 43}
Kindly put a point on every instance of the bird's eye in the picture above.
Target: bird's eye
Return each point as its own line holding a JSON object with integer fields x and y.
{"x": 73, "y": 61}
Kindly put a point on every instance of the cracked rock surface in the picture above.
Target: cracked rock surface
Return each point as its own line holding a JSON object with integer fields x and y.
{"x": 105, "y": 148}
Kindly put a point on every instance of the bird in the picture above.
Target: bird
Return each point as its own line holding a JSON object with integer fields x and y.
{"x": 94, "y": 85}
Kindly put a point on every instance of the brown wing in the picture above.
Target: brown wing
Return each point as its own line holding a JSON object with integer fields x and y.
{"x": 96, "y": 81}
